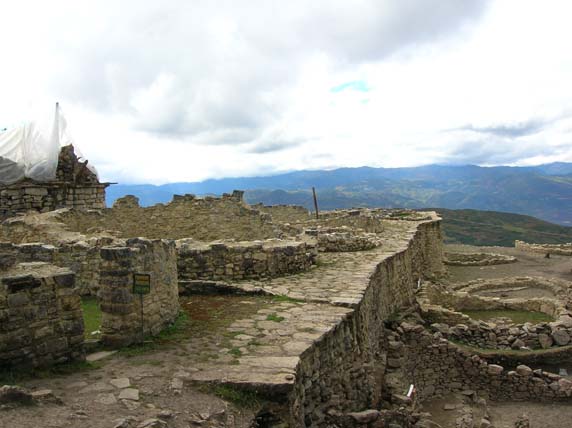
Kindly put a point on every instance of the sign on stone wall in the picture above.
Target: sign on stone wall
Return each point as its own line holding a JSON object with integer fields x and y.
{"x": 141, "y": 283}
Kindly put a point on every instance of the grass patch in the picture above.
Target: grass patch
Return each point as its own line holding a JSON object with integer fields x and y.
{"x": 91, "y": 316}
{"x": 518, "y": 317}
{"x": 235, "y": 352}
{"x": 172, "y": 334}
{"x": 239, "y": 397}
{"x": 281, "y": 299}
{"x": 274, "y": 317}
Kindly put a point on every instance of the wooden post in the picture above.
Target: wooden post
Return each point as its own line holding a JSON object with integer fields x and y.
{"x": 315, "y": 202}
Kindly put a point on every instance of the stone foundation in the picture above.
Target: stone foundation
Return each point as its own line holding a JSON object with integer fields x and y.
{"x": 477, "y": 259}
{"x": 342, "y": 239}
{"x": 440, "y": 307}
{"x": 125, "y": 320}
{"x": 41, "y": 321}
{"x": 243, "y": 260}
{"x": 560, "y": 249}
{"x": 436, "y": 366}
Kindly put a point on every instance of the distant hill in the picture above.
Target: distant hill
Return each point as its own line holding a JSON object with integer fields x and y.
{"x": 543, "y": 191}
{"x": 491, "y": 228}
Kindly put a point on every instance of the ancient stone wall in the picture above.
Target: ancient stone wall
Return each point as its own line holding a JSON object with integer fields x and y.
{"x": 344, "y": 369}
{"x": 477, "y": 259}
{"x": 42, "y": 197}
{"x": 41, "y": 321}
{"x": 81, "y": 257}
{"x": 561, "y": 249}
{"x": 285, "y": 213}
{"x": 124, "y": 319}
{"x": 204, "y": 219}
{"x": 440, "y": 307}
{"x": 232, "y": 261}
{"x": 343, "y": 239}
{"x": 75, "y": 186}
{"x": 436, "y": 366}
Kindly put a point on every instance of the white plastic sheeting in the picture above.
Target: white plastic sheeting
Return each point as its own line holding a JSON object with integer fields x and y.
{"x": 27, "y": 152}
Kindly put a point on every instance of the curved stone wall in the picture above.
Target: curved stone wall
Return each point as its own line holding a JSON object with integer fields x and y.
{"x": 231, "y": 261}
{"x": 561, "y": 249}
{"x": 477, "y": 259}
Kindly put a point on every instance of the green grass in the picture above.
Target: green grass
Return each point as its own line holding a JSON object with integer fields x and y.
{"x": 239, "y": 397}
{"x": 518, "y": 317}
{"x": 475, "y": 227}
{"x": 172, "y": 334}
{"x": 281, "y": 298}
{"x": 235, "y": 352}
{"x": 91, "y": 316}
{"x": 274, "y": 317}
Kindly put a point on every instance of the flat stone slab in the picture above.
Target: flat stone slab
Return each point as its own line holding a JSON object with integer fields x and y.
{"x": 99, "y": 356}
{"x": 121, "y": 383}
{"x": 129, "y": 394}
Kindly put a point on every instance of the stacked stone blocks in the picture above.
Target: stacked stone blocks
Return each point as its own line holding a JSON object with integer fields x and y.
{"x": 41, "y": 321}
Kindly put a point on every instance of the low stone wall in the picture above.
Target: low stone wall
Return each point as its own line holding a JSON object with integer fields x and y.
{"x": 285, "y": 213}
{"x": 343, "y": 239}
{"x": 204, "y": 219}
{"x": 440, "y": 306}
{"x": 344, "y": 370}
{"x": 477, "y": 259}
{"x": 231, "y": 261}
{"x": 75, "y": 186}
{"x": 124, "y": 319}
{"x": 81, "y": 257}
{"x": 362, "y": 219}
{"x": 42, "y": 197}
{"x": 41, "y": 321}
{"x": 436, "y": 367}
{"x": 561, "y": 249}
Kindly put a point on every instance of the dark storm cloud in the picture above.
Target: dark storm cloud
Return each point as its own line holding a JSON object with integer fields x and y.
{"x": 205, "y": 67}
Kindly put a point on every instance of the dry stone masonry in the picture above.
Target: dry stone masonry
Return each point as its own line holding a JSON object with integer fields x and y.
{"x": 41, "y": 322}
{"x": 75, "y": 186}
{"x": 232, "y": 261}
{"x": 128, "y": 317}
{"x": 561, "y": 249}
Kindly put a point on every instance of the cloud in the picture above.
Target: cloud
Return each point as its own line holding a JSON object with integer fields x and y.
{"x": 182, "y": 69}
{"x": 357, "y": 85}
{"x": 510, "y": 130}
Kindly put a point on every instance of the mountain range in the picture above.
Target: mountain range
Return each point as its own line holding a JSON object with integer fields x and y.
{"x": 543, "y": 191}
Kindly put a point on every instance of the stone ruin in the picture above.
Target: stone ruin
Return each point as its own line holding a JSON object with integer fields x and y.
{"x": 365, "y": 312}
{"x": 560, "y": 249}
{"x": 75, "y": 186}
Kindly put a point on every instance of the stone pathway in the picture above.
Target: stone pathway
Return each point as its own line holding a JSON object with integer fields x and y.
{"x": 268, "y": 343}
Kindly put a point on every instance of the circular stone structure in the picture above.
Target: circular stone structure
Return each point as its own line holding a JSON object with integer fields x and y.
{"x": 477, "y": 259}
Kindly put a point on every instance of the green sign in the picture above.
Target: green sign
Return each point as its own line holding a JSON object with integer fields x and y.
{"x": 141, "y": 283}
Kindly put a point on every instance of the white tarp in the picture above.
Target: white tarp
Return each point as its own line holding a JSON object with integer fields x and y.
{"x": 28, "y": 152}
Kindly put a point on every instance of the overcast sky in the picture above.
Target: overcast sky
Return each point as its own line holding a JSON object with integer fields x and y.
{"x": 164, "y": 91}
